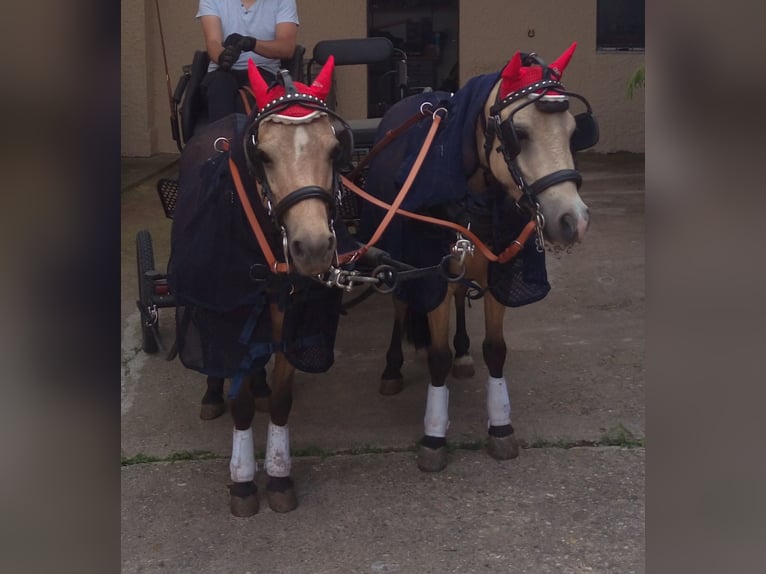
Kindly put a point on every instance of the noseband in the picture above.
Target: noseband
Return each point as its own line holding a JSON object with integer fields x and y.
{"x": 506, "y": 134}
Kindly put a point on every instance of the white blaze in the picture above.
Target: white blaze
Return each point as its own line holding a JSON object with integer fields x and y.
{"x": 301, "y": 141}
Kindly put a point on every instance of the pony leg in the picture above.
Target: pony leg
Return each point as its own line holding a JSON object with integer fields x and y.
{"x": 212, "y": 401}
{"x": 280, "y": 489}
{"x": 432, "y": 454}
{"x": 502, "y": 442}
{"x": 243, "y": 492}
{"x": 391, "y": 381}
{"x": 462, "y": 366}
{"x": 261, "y": 390}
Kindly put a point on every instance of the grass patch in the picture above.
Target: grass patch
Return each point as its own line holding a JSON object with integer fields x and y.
{"x": 620, "y": 436}
{"x": 141, "y": 458}
{"x": 615, "y": 436}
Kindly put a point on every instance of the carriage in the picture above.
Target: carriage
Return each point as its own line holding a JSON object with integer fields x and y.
{"x": 454, "y": 197}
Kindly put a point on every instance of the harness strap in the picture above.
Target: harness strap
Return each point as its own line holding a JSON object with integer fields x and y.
{"x": 274, "y": 265}
{"x": 393, "y": 209}
{"x": 506, "y": 255}
{"x": 243, "y": 93}
{"x": 390, "y": 136}
{"x": 555, "y": 178}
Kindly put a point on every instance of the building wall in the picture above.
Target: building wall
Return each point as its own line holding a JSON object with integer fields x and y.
{"x": 602, "y": 77}
{"x": 490, "y": 32}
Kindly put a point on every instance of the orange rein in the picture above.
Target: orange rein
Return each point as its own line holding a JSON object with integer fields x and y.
{"x": 392, "y": 209}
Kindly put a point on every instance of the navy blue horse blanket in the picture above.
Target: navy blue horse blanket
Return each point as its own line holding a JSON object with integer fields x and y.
{"x": 441, "y": 189}
{"x": 220, "y": 278}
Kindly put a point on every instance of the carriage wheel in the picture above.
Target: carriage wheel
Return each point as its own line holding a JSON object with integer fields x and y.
{"x": 145, "y": 262}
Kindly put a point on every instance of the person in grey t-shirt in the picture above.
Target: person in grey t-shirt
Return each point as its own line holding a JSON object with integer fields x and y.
{"x": 237, "y": 31}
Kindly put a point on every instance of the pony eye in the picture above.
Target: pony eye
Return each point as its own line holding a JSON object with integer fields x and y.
{"x": 261, "y": 156}
{"x": 336, "y": 153}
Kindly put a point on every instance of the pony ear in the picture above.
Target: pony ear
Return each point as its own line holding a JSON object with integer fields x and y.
{"x": 257, "y": 84}
{"x": 560, "y": 63}
{"x": 320, "y": 87}
{"x": 510, "y": 75}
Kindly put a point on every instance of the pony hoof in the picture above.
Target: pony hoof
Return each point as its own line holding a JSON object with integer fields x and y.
{"x": 280, "y": 492}
{"x": 391, "y": 386}
{"x": 282, "y": 501}
{"x": 463, "y": 370}
{"x": 432, "y": 459}
{"x": 243, "y": 500}
{"x": 503, "y": 448}
{"x": 210, "y": 411}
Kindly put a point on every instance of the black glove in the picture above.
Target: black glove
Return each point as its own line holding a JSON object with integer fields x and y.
{"x": 245, "y": 43}
{"x": 232, "y": 40}
{"x": 229, "y": 57}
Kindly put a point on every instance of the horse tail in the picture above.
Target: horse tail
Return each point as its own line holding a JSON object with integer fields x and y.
{"x": 416, "y": 328}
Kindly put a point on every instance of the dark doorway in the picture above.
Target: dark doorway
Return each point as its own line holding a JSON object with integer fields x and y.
{"x": 424, "y": 34}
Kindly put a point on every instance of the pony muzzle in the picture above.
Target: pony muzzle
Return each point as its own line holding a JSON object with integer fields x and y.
{"x": 311, "y": 240}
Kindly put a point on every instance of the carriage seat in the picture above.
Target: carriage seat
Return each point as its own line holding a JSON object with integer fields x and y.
{"x": 193, "y": 107}
{"x": 349, "y": 52}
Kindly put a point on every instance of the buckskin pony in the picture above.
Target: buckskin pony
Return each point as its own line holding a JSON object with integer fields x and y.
{"x": 255, "y": 223}
{"x": 500, "y": 165}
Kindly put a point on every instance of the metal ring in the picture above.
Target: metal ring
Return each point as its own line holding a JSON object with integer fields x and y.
{"x": 444, "y": 271}
{"x": 387, "y": 285}
{"x": 223, "y": 147}
{"x": 423, "y": 105}
{"x": 441, "y": 109}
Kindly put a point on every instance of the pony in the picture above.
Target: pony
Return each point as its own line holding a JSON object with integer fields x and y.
{"x": 254, "y": 188}
{"x": 501, "y": 166}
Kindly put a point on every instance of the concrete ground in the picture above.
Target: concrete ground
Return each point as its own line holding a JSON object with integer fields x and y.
{"x": 572, "y": 502}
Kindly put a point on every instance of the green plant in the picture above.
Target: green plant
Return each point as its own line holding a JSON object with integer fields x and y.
{"x": 637, "y": 81}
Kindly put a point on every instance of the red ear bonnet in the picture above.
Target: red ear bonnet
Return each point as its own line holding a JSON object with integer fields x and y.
{"x": 516, "y": 77}
{"x": 264, "y": 95}
{"x": 320, "y": 87}
{"x": 257, "y": 84}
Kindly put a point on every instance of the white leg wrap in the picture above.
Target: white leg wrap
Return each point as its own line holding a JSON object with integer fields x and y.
{"x": 278, "y": 463}
{"x": 436, "y": 421}
{"x": 242, "y": 465}
{"x": 498, "y": 403}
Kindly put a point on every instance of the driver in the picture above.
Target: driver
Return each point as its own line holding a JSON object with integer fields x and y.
{"x": 236, "y": 31}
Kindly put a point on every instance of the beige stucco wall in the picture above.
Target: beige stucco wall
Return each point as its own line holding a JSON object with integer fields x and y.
{"x": 490, "y": 31}
{"x": 490, "y": 36}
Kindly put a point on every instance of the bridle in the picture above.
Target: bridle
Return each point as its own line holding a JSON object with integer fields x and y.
{"x": 507, "y": 136}
{"x": 278, "y": 209}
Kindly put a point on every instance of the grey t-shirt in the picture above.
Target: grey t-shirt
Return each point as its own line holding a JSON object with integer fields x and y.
{"x": 259, "y": 21}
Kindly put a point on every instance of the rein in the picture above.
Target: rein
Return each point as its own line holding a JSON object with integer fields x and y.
{"x": 533, "y": 226}
{"x": 506, "y": 255}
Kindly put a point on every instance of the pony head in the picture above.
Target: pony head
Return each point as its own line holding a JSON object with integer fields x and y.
{"x": 320, "y": 88}
{"x": 515, "y": 76}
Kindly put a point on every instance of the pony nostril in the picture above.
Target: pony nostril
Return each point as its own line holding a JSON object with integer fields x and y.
{"x": 296, "y": 248}
{"x": 568, "y": 224}
{"x": 312, "y": 248}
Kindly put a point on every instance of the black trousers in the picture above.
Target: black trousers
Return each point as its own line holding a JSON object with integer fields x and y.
{"x": 221, "y": 90}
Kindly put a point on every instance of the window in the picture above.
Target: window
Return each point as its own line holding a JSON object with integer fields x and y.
{"x": 620, "y": 25}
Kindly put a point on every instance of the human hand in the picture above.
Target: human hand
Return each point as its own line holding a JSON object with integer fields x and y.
{"x": 229, "y": 57}
{"x": 232, "y": 40}
{"x": 245, "y": 43}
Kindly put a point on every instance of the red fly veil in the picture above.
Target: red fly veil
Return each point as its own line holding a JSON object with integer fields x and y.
{"x": 516, "y": 77}
{"x": 319, "y": 88}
